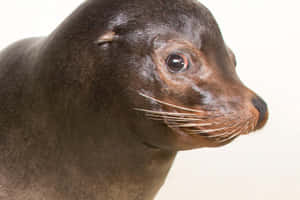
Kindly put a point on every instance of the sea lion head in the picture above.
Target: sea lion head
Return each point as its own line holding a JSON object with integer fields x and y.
{"x": 175, "y": 76}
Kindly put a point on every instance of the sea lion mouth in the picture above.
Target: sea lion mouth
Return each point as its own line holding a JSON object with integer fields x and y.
{"x": 211, "y": 125}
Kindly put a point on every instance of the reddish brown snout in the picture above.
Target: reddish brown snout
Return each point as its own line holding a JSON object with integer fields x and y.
{"x": 262, "y": 108}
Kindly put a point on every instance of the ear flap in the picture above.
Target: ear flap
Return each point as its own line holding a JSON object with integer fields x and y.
{"x": 232, "y": 56}
{"x": 106, "y": 38}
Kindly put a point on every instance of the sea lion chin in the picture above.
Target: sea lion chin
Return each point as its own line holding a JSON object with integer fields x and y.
{"x": 99, "y": 108}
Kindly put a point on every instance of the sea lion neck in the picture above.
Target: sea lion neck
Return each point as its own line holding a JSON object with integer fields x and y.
{"x": 120, "y": 161}
{"x": 96, "y": 158}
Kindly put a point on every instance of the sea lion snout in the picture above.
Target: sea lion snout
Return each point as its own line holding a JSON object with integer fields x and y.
{"x": 262, "y": 108}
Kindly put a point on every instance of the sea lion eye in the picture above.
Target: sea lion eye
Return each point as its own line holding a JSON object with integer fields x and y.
{"x": 177, "y": 63}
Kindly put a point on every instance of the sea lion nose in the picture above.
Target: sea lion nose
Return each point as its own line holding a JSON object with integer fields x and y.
{"x": 262, "y": 108}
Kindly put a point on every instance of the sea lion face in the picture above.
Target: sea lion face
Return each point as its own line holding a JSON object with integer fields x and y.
{"x": 184, "y": 90}
{"x": 202, "y": 102}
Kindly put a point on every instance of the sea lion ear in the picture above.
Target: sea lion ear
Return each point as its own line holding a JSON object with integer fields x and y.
{"x": 107, "y": 37}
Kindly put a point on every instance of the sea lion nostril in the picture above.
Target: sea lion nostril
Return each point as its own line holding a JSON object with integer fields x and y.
{"x": 262, "y": 108}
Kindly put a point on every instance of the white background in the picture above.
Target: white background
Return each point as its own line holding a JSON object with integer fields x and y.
{"x": 264, "y": 34}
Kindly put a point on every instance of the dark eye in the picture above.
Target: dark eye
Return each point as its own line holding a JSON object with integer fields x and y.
{"x": 177, "y": 63}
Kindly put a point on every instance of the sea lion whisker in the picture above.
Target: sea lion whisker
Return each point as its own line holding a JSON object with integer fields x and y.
{"x": 239, "y": 131}
{"x": 218, "y": 135}
{"x": 229, "y": 124}
{"x": 156, "y": 119}
{"x": 173, "y": 122}
{"x": 191, "y": 125}
{"x": 233, "y": 134}
{"x": 211, "y": 130}
{"x": 229, "y": 138}
{"x": 244, "y": 126}
{"x": 235, "y": 126}
{"x": 253, "y": 126}
{"x": 164, "y": 113}
{"x": 222, "y": 135}
{"x": 171, "y": 105}
{"x": 169, "y": 118}
{"x": 176, "y": 116}
{"x": 248, "y": 126}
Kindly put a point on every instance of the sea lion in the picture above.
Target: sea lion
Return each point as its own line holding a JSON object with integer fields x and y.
{"x": 100, "y": 107}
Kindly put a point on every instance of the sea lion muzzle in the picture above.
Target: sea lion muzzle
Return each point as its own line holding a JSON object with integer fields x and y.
{"x": 261, "y": 106}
